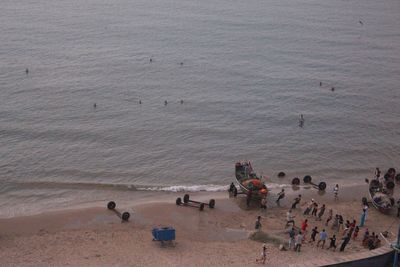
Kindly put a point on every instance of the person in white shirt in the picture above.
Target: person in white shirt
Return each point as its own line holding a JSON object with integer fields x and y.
{"x": 289, "y": 218}
{"x": 336, "y": 191}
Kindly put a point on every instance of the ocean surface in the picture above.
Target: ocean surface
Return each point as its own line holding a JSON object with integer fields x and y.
{"x": 245, "y": 71}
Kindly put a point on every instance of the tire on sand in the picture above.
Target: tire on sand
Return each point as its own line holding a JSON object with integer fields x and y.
{"x": 111, "y": 205}
{"x": 307, "y": 179}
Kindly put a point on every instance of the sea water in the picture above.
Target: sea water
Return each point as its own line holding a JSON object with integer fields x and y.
{"x": 245, "y": 71}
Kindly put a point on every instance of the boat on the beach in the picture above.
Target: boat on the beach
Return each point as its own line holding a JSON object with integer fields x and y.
{"x": 380, "y": 196}
{"x": 248, "y": 179}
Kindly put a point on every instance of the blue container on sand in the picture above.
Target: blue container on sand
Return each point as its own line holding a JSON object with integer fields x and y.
{"x": 164, "y": 234}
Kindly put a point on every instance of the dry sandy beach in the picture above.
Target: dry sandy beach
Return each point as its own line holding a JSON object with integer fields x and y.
{"x": 218, "y": 237}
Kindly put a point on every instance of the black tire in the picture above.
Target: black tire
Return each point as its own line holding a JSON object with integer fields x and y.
{"x": 397, "y": 178}
{"x": 374, "y": 183}
{"x": 201, "y": 208}
{"x": 390, "y": 185}
{"x": 307, "y": 179}
{"x": 281, "y": 174}
{"x": 322, "y": 186}
{"x": 186, "y": 198}
{"x": 211, "y": 204}
{"x": 295, "y": 181}
{"x": 125, "y": 216}
{"x": 364, "y": 201}
{"x": 111, "y": 205}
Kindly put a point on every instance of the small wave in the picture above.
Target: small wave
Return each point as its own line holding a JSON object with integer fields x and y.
{"x": 129, "y": 187}
{"x": 187, "y": 188}
{"x": 200, "y": 188}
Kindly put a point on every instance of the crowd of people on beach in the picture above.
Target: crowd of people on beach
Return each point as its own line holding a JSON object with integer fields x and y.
{"x": 346, "y": 230}
{"x": 336, "y": 231}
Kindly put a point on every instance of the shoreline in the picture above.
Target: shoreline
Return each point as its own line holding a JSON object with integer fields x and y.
{"x": 132, "y": 198}
{"x": 96, "y": 237}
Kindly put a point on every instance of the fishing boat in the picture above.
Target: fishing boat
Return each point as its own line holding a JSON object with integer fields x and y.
{"x": 381, "y": 197}
{"x": 248, "y": 179}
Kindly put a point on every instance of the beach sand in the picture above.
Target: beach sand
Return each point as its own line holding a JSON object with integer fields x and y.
{"x": 213, "y": 237}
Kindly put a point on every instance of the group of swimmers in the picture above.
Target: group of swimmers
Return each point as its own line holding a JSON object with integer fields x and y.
{"x": 140, "y": 102}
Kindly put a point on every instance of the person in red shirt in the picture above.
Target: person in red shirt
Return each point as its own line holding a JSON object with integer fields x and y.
{"x": 304, "y": 226}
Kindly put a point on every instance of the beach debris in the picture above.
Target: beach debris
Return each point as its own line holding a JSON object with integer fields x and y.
{"x": 163, "y": 234}
{"x": 210, "y": 204}
{"x": 124, "y": 216}
{"x": 362, "y": 23}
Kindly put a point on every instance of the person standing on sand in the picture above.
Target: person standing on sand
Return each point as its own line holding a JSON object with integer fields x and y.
{"x": 263, "y": 254}
{"x": 248, "y": 197}
{"x": 314, "y": 210}
{"x": 335, "y": 224}
{"x": 322, "y": 238}
{"x": 280, "y": 196}
{"x": 314, "y": 232}
{"x": 296, "y": 201}
{"x": 263, "y": 204}
{"x": 321, "y": 212}
{"x": 336, "y": 192}
{"x": 258, "y": 224}
{"x": 330, "y": 215}
{"x": 340, "y": 222}
{"x": 332, "y": 244}
{"x": 345, "y": 242}
{"x": 377, "y": 173}
{"x": 363, "y": 216}
{"x": 365, "y": 237}
{"x": 289, "y": 218}
{"x": 309, "y": 207}
{"x": 299, "y": 241}
{"x": 304, "y": 226}
{"x": 356, "y": 230}
{"x": 292, "y": 235}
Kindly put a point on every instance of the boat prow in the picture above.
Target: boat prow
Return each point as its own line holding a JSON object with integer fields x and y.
{"x": 248, "y": 179}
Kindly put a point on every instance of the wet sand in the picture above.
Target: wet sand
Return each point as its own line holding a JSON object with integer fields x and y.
{"x": 214, "y": 237}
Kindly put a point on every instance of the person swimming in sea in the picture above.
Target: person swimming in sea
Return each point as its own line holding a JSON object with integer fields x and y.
{"x": 301, "y": 120}
{"x": 165, "y": 102}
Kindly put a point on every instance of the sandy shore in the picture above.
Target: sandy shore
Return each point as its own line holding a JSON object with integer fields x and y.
{"x": 218, "y": 237}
